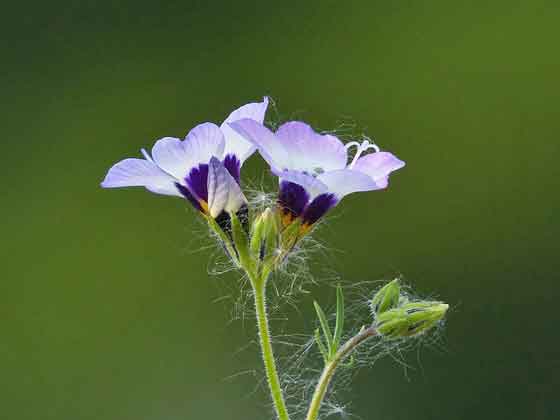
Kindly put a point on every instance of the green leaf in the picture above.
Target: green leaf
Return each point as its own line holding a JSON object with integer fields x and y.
{"x": 339, "y": 320}
{"x": 324, "y": 325}
{"x": 321, "y": 346}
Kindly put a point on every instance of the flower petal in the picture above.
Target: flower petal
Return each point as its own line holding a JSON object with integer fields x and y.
{"x": 169, "y": 154}
{"x": 236, "y": 144}
{"x": 177, "y": 157}
{"x": 378, "y": 166}
{"x": 292, "y": 199}
{"x": 345, "y": 181}
{"x": 233, "y": 165}
{"x": 310, "y": 151}
{"x": 269, "y": 147}
{"x": 197, "y": 182}
{"x": 203, "y": 142}
{"x": 312, "y": 185}
{"x": 224, "y": 193}
{"x": 140, "y": 173}
{"x": 318, "y": 207}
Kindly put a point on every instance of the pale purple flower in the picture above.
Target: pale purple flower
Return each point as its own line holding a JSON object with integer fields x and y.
{"x": 313, "y": 168}
{"x": 204, "y": 168}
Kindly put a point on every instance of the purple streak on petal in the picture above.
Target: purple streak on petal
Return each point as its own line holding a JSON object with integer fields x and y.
{"x": 187, "y": 194}
{"x": 233, "y": 165}
{"x": 292, "y": 198}
{"x": 197, "y": 180}
{"x": 318, "y": 207}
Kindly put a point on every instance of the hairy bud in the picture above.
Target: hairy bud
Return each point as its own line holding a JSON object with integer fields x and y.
{"x": 386, "y": 298}
{"x": 264, "y": 238}
{"x": 411, "y": 319}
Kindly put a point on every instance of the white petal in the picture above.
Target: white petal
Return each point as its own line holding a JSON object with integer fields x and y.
{"x": 170, "y": 155}
{"x": 345, "y": 181}
{"x": 177, "y": 157}
{"x": 378, "y": 166}
{"x": 236, "y": 144}
{"x": 140, "y": 173}
{"x": 310, "y": 151}
{"x": 312, "y": 185}
{"x": 205, "y": 141}
{"x": 270, "y": 148}
{"x": 224, "y": 192}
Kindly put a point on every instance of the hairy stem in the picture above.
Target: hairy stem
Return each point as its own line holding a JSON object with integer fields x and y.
{"x": 330, "y": 368}
{"x": 267, "y": 353}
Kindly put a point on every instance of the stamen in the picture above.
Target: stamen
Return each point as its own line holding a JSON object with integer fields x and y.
{"x": 146, "y": 155}
{"x": 360, "y": 148}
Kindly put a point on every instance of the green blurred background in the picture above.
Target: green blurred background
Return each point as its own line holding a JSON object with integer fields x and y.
{"x": 107, "y": 314}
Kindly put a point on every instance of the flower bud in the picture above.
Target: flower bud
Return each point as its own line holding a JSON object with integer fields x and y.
{"x": 386, "y": 298}
{"x": 265, "y": 235}
{"x": 411, "y": 319}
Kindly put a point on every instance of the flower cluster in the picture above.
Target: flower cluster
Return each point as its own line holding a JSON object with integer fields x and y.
{"x": 315, "y": 171}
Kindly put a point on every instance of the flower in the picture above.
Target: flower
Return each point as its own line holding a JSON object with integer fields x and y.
{"x": 204, "y": 168}
{"x": 313, "y": 168}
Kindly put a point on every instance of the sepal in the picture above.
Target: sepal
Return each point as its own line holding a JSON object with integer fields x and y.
{"x": 386, "y": 298}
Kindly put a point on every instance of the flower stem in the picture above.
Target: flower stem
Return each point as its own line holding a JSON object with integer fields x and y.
{"x": 330, "y": 368}
{"x": 267, "y": 353}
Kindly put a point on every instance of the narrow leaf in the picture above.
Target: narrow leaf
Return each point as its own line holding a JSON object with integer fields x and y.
{"x": 339, "y": 320}
{"x": 321, "y": 346}
{"x": 324, "y": 325}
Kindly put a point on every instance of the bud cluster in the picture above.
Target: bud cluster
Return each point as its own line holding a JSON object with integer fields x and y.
{"x": 262, "y": 245}
{"x": 396, "y": 318}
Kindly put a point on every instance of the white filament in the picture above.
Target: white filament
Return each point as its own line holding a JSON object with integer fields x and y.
{"x": 360, "y": 148}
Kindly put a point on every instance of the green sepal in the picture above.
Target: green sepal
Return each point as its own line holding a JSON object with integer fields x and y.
{"x": 240, "y": 241}
{"x": 257, "y": 235}
{"x": 226, "y": 240}
{"x": 386, "y": 298}
{"x": 290, "y": 235}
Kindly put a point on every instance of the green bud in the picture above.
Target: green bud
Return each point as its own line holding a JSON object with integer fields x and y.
{"x": 264, "y": 238}
{"x": 411, "y": 319}
{"x": 386, "y": 298}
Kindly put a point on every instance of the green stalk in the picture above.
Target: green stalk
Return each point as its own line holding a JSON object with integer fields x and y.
{"x": 259, "y": 288}
{"x": 330, "y": 368}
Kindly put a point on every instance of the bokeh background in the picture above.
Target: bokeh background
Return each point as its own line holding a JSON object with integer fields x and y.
{"x": 107, "y": 313}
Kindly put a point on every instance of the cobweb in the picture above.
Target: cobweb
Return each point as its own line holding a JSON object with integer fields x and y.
{"x": 299, "y": 360}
